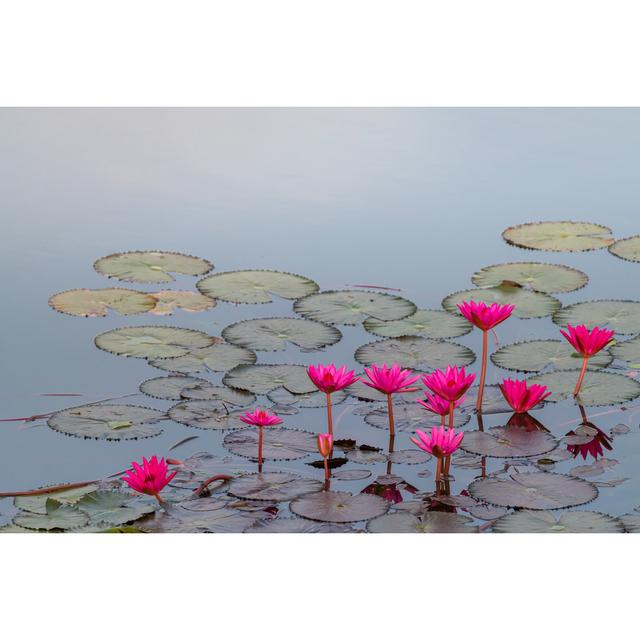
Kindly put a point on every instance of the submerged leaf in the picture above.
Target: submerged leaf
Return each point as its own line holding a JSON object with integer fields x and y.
{"x": 545, "y": 522}
{"x": 265, "y": 378}
{"x": 428, "y": 323}
{"x": 95, "y": 303}
{"x": 339, "y": 506}
{"x": 539, "y": 276}
{"x": 623, "y": 316}
{"x": 559, "y": 236}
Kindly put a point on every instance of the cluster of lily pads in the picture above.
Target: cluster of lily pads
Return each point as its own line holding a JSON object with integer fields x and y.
{"x": 213, "y": 493}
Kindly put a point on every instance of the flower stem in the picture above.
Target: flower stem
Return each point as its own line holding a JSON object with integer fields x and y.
{"x": 326, "y": 470}
{"x": 392, "y": 430}
{"x": 329, "y": 417}
{"x": 208, "y": 481}
{"x": 483, "y": 373}
{"x": 159, "y": 499}
{"x": 442, "y": 420}
{"x": 576, "y": 391}
{"x": 439, "y": 469}
{"x": 259, "y": 449}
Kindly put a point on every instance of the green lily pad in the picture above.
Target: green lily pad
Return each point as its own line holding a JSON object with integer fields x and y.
{"x": 95, "y": 303}
{"x": 312, "y": 400}
{"x": 508, "y": 442}
{"x": 114, "y": 507}
{"x": 339, "y": 506}
{"x": 58, "y": 517}
{"x": 278, "y": 443}
{"x": 631, "y": 522}
{"x": 275, "y": 334}
{"x": 526, "y": 521}
{"x": 216, "y": 357}
{"x": 38, "y": 503}
{"x": 539, "y": 276}
{"x": 252, "y": 286}
{"x": 168, "y": 301}
{"x": 427, "y": 323}
{"x": 429, "y": 522}
{"x": 353, "y": 307}
{"x": 223, "y": 394}
{"x": 107, "y": 422}
{"x": 296, "y": 525}
{"x": 528, "y": 304}
{"x": 559, "y": 236}
{"x": 150, "y": 266}
{"x": 207, "y": 414}
{"x": 264, "y": 378}
{"x": 410, "y": 416}
{"x": 171, "y": 387}
{"x": 181, "y": 520}
{"x": 622, "y": 316}
{"x": 152, "y": 341}
{"x": 629, "y": 350}
{"x": 627, "y": 249}
{"x": 537, "y": 355}
{"x": 276, "y": 486}
{"x": 414, "y": 352}
{"x": 598, "y": 388}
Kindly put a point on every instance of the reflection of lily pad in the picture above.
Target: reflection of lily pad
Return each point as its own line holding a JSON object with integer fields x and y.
{"x": 216, "y": 357}
{"x": 409, "y": 417}
{"x": 629, "y": 350}
{"x": 296, "y": 525}
{"x": 528, "y": 304}
{"x": 544, "y": 522}
{"x": 150, "y": 266}
{"x": 278, "y": 443}
{"x": 255, "y": 286}
{"x": 414, "y": 352}
{"x": 113, "y": 507}
{"x": 274, "y": 334}
{"x": 152, "y": 341}
{"x": 430, "y": 522}
{"x": 276, "y": 486}
{"x": 559, "y": 236}
{"x": 627, "y": 249}
{"x": 107, "y": 421}
{"x": 207, "y": 414}
{"x": 598, "y": 388}
{"x": 508, "y": 442}
{"x": 539, "y": 276}
{"x": 264, "y": 378}
{"x": 339, "y": 506}
{"x": 224, "y": 394}
{"x": 95, "y": 303}
{"x": 428, "y": 323}
{"x": 534, "y": 491}
{"x": 170, "y": 387}
{"x": 536, "y": 355}
{"x": 623, "y": 316}
{"x": 57, "y": 517}
{"x": 168, "y": 301}
{"x": 352, "y": 307}
{"x": 37, "y": 503}
{"x": 311, "y": 400}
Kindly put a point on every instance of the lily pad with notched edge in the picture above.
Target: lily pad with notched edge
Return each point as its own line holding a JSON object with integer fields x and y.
{"x": 492, "y": 401}
{"x": 353, "y": 307}
{"x": 276, "y": 486}
{"x": 363, "y": 392}
{"x": 414, "y": 352}
{"x": 627, "y": 249}
{"x": 152, "y": 341}
{"x": 181, "y": 520}
{"x": 366, "y": 456}
{"x": 58, "y": 517}
{"x": 622, "y": 316}
{"x": 349, "y": 475}
{"x": 539, "y": 276}
{"x": 203, "y": 465}
{"x": 113, "y": 422}
{"x": 296, "y": 525}
{"x": 275, "y": 334}
{"x": 487, "y": 511}
{"x": 408, "y": 456}
{"x": 428, "y": 323}
{"x": 264, "y": 378}
{"x": 150, "y": 266}
{"x": 629, "y": 350}
{"x": 170, "y": 387}
{"x": 216, "y": 358}
{"x": 526, "y": 521}
{"x": 168, "y": 301}
{"x": 37, "y": 503}
{"x": 537, "y": 491}
{"x": 95, "y": 303}
{"x": 255, "y": 286}
{"x": 339, "y": 506}
{"x": 409, "y": 417}
{"x": 508, "y": 442}
{"x": 207, "y": 414}
{"x": 223, "y": 394}
{"x": 631, "y": 522}
{"x": 311, "y": 400}
{"x": 559, "y": 236}
{"x": 278, "y": 443}
{"x": 114, "y": 507}
{"x": 430, "y": 522}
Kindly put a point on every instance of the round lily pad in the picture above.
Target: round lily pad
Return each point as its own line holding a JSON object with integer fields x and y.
{"x": 37, "y": 503}
{"x": 255, "y": 286}
{"x": 508, "y": 442}
{"x": 629, "y": 350}
{"x": 171, "y": 387}
{"x": 537, "y": 355}
{"x": 203, "y": 465}
{"x": 275, "y": 334}
{"x": 114, "y": 507}
{"x": 264, "y": 378}
{"x": 410, "y": 416}
{"x": 150, "y": 266}
{"x": 598, "y": 387}
{"x": 429, "y": 522}
{"x": 216, "y": 357}
{"x": 526, "y": 521}
{"x": 224, "y": 394}
{"x": 296, "y": 525}
{"x": 152, "y": 341}
{"x": 168, "y": 301}
{"x": 312, "y": 400}
{"x": 528, "y": 304}
{"x": 415, "y": 352}
{"x": 487, "y": 511}
{"x": 207, "y": 414}
{"x": 631, "y": 522}
{"x": 278, "y": 443}
{"x": 363, "y": 392}
{"x": 58, "y": 517}
{"x": 627, "y": 249}
{"x": 559, "y": 236}
{"x": 622, "y": 316}
{"x": 181, "y": 520}
{"x": 95, "y": 303}
{"x": 107, "y": 422}
{"x": 428, "y": 323}
{"x": 339, "y": 506}
{"x": 534, "y": 491}
{"x": 408, "y": 456}
{"x": 349, "y": 475}
{"x": 352, "y": 307}
{"x": 366, "y": 456}
{"x": 276, "y": 486}
{"x": 539, "y": 276}
{"x": 492, "y": 401}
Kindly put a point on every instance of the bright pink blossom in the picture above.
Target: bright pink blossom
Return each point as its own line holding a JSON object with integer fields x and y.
{"x": 485, "y": 317}
{"x": 260, "y": 418}
{"x": 325, "y": 443}
{"x": 451, "y": 384}
{"x": 440, "y": 442}
{"x": 586, "y": 342}
{"x": 390, "y": 379}
{"x": 150, "y": 478}
{"x": 329, "y": 379}
{"x": 520, "y": 397}
{"x": 437, "y": 404}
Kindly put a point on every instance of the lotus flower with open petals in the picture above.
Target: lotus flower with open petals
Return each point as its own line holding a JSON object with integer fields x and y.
{"x": 329, "y": 379}
{"x": 150, "y": 478}
{"x": 522, "y": 398}
{"x": 585, "y": 342}
{"x": 390, "y": 379}
{"x": 260, "y": 418}
{"x": 440, "y": 442}
{"x": 451, "y": 384}
{"x": 484, "y": 316}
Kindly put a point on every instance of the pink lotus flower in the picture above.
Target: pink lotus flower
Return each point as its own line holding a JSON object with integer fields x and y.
{"x": 437, "y": 404}
{"x": 520, "y": 397}
{"x": 260, "y": 418}
{"x": 329, "y": 379}
{"x": 440, "y": 442}
{"x": 485, "y": 317}
{"x": 325, "y": 444}
{"x": 390, "y": 379}
{"x": 451, "y": 384}
{"x": 150, "y": 478}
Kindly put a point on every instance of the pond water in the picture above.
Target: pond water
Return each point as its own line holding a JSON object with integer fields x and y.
{"x": 409, "y": 199}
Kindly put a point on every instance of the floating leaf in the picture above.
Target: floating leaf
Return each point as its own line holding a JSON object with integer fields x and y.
{"x": 428, "y": 323}
{"x": 296, "y": 525}
{"x": 168, "y": 301}
{"x": 493, "y": 401}
{"x": 559, "y": 236}
{"x": 255, "y": 286}
{"x": 274, "y": 334}
{"x": 171, "y": 387}
{"x": 216, "y": 358}
{"x": 430, "y": 522}
{"x": 533, "y": 491}
{"x": 528, "y": 304}
{"x": 366, "y": 456}
{"x": 224, "y": 394}
{"x": 207, "y": 414}
{"x": 508, "y": 442}
{"x": 631, "y": 522}
{"x": 414, "y": 352}
{"x": 620, "y": 430}
{"x": 629, "y": 351}
{"x": 152, "y": 341}
{"x": 623, "y": 316}
{"x": 37, "y": 503}
{"x": 113, "y": 507}
{"x": 181, "y": 520}
{"x": 264, "y": 378}
{"x": 539, "y": 276}
{"x": 150, "y": 266}
{"x": 487, "y": 511}
{"x": 339, "y": 506}
{"x": 311, "y": 400}
{"x": 95, "y": 303}
{"x": 409, "y": 417}
{"x": 278, "y": 443}
{"x": 275, "y": 486}
{"x": 409, "y": 456}
{"x": 598, "y": 388}
{"x": 351, "y": 474}
{"x": 203, "y": 465}
{"x": 627, "y": 249}
{"x": 57, "y": 517}
{"x": 544, "y": 522}
{"x": 98, "y": 420}
{"x": 536, "y": 355}
{"x": 352, "y": 307}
